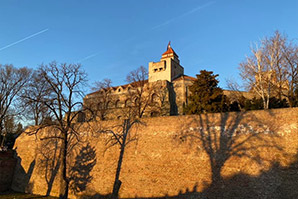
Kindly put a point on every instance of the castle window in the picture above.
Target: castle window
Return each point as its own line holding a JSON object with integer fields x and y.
{"x": 119, "y": 90}
{"x": 160, "y": 69}
{"x": 155, "y": 69}
{"x": 154, "y": 97}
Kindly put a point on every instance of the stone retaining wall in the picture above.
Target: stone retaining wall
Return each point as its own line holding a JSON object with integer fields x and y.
{"x": 176, "y": 156}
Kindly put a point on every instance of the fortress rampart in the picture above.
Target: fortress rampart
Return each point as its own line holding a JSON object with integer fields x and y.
{"x": 178, "y": 156}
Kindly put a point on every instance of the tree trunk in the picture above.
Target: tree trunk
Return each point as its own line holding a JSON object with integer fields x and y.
{"x": 2, "y": 135}
{"x": 64, "y": 180}
{"x": 264, "y": 104}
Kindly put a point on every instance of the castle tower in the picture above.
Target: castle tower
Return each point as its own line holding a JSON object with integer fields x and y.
{"x": 168, "y": 68}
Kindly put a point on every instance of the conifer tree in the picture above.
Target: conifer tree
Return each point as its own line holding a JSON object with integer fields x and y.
{"x": 205, "y": 95}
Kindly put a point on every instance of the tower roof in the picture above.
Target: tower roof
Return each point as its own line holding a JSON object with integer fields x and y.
{"x": 169, "y": 50}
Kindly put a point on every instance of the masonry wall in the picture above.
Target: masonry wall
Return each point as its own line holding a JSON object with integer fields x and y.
{"x": 176, "y": 156}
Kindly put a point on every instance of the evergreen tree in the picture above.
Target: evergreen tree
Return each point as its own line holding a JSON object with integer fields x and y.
{"x": 205, "y": 95}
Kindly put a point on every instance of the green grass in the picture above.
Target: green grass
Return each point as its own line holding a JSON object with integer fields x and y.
{"x": 23, "y": 196}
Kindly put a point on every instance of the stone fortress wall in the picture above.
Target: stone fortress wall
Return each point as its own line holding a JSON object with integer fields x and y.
{"x": 175, "y": 157}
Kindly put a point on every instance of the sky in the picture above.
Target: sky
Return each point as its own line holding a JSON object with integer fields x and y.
{"x": 113, "y": 37}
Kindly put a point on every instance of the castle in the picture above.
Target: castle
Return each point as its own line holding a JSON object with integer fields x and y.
{"x": 164, "y": 93}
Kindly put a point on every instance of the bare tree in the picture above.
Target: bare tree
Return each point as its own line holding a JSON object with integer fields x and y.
{"x": 159, "y": 99}
{"x": 258, "y": 71}
{"x": 274, "y": 57}
{"x": 32, "y": 99}
{"x": 290, "y": 53}
{"x": 65, "y": 83}
{"x": 235, "y": 93}
{"x": 100, "y": 102}
{"x": 140, "y": 93}
{"x": 12, "y": 83}
{"x": 271, "y": 70}
{"x": 13, "y": 129}
{"x": 257, "y": 76}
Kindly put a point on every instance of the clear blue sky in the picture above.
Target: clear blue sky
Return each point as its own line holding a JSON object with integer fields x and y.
{"x": 111, "y": 38}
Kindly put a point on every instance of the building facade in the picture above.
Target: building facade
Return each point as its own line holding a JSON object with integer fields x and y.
{"x": 164, "y": 93}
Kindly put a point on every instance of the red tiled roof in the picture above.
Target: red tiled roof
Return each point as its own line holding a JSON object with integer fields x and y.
{"x": 169, "y": 51}
{"x": 123, "y": 86}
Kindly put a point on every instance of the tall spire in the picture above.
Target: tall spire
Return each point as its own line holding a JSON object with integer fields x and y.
{"x": 169, "y": 45}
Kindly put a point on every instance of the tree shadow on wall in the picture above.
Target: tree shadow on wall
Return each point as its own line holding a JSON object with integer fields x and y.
{"x": 80, "y": 172}
{"x": 227, "y": 135}
{"x": 238, "y": 136}
{"x": 49, "y": 161}
{"x": 21, "y": 180}
{"x": 277, "y": 182}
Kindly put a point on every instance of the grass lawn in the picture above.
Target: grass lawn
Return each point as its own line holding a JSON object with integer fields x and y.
{"x": 23, "y": 196}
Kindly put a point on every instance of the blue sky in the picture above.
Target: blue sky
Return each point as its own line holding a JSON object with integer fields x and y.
{"x": 111, "y": 38}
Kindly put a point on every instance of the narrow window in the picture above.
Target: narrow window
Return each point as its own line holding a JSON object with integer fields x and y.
{"x": 154, "y": 98}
